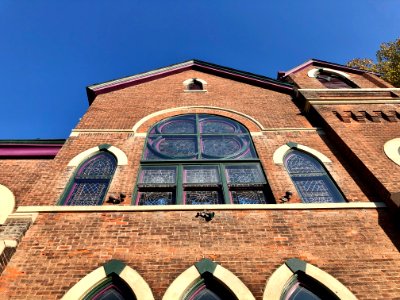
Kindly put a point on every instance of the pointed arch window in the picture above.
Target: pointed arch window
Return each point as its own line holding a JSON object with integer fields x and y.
{"x": 200, "y": 159}
{"x": 303, "y": 287}
{"x": 91, "y": 180}
{"x": 310, "y": 178}
{"x": 334, "y": 81}
{"x": 112, "y": 288}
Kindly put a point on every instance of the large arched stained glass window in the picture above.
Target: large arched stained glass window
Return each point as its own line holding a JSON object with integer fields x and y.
{"x": 91, "y": 180}
{"x": 312, "y": 182}
{"x": 200, "y": 159}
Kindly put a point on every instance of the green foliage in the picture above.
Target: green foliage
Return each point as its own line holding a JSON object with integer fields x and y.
{"x": 387, "y": 62}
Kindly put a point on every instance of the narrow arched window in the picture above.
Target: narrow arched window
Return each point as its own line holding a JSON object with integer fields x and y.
{"x": 312, "y": 181}
{"x": 200, "y": 159}
{"x": 334, "y": 81}
{"x": 195, "y": 85}
{"x": 209, "y": 288}
{"x": 91, "y": 180}
{"x": 303, "y": 287}
{"x": 112, "y": 288}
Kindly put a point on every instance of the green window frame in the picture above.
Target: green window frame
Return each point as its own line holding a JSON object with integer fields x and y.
{"x": 200, "y": 159}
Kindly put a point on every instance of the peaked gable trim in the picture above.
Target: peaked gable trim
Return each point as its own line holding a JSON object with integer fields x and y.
{"x": 322, "y": 63}
{"x": 246, "y": 77}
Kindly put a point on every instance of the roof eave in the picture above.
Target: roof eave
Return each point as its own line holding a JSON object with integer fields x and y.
{"x": 101, "y": 88}
{"x": 318, "y": 62}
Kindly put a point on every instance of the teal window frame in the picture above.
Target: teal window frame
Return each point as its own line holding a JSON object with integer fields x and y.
{"x": 179, "y": 188}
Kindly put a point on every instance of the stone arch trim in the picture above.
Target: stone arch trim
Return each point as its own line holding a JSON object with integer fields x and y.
{"x": 280, "y": 278}
{"x": 132, "y": 278}
{"x": 7, "y": 203}
{"x": 279, "y": 153}
{"x": 392, "y": 150}
{"x": 122, "y": 159}
{"x": 180, "y": 286}
{"x": 143, "y": 125}
{"x": 314, "y": 72}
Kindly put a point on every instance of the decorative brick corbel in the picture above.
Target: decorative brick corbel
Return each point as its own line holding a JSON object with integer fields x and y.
{"x": 390, "y": 115}
{"x": 359, "y": 116}
{"x": 344, "y": 116}
{"x": 374, "y": 116}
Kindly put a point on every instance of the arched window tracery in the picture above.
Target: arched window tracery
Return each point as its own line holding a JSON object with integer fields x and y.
{"x": 310, "y": 178}
{"x": 91, "y": 180}
{"x": 200, "y": 159}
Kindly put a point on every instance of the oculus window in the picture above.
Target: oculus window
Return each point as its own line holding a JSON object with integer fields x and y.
{"x": 200, "y": 159}
{"x": 91, "y": 180}
{"x": 310, "y": 178}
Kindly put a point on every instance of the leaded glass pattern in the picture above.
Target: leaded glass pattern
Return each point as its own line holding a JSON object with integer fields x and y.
{"x": 171, "y": 147}
{"x": 241, "y": 174}
{"x": 91, "y": 181}
{"x": 155, "y": 198}
{"x": 201, "y": 174}
{"x": 200, "y": 137}
{"x": 311, "y": 179}
{"x": 202, "y": 197}
{"x": 248, "y": 197}
{"x": 200, "y": 159}
{"x": 157, "y": 175}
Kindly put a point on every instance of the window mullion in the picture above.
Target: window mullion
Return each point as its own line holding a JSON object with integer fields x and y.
{"x": 179, "y": 185}
{"x": 225, "y": 188}
{"x": 198, "y": 137}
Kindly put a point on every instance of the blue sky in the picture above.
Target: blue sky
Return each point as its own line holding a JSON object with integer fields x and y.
{"x": 51, "y": 50}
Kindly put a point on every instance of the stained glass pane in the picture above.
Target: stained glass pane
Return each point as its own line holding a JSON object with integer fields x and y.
{"x": 155, "y": 198}
{"x": 248, "y": 197}
{"x": 101, "y": 165}
{"x": 205, "y": 294}
{"x": 227, "y": 147}
{"x": 158, "y": 175}
{"x": 310, "y": 178}
{"x": 177, "y": 125}
{"x": 202, "y": 197}
{"x": 244, "y": 174}
{"x": 171, "y": 147}
{"x": 87, "y": 193}
{"x": 317, "y": 189}
{"x": 110, "y": 293}
{"x": 301, "y": 293}
{"x": 214, "y": 124}
{"x": 201, "y": 174}
{"x": 300, "y": 163}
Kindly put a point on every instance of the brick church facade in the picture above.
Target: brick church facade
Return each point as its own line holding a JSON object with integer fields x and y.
{"x": 197, "y": 181}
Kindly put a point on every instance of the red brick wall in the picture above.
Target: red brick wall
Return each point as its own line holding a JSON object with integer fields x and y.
{"x": 366, "y": 140}
{"x": 122, "y": 109}
{"x": 24, "y": 176}
{"x": 355, "y": 246}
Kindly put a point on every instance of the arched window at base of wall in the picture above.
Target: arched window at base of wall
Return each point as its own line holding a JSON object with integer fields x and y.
{"x": 114, "y": 280}
{"x": 301, "y": 277}
{"x": 207, "y": 280}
